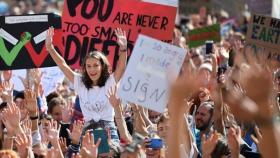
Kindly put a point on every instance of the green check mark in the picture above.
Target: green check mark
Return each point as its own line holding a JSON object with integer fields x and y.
{"x": 9, "y": 57}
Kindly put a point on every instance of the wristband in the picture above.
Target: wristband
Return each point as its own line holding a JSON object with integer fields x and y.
{"x": 123, "y": 50}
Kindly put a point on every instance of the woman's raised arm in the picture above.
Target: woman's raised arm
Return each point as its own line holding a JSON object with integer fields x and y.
{"x": 60, "y": 62}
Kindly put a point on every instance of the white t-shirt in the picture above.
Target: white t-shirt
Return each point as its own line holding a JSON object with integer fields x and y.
{"x": 93, "y": 102}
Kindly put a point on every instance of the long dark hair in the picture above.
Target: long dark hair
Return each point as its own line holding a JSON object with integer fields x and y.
{"x": 104, "y": 72}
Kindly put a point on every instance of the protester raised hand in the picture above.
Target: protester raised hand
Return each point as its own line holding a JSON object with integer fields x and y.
{"x": 209, "y": 144}
{"x": 258, "y": 139}
{"x": 76, "y": 132}
{"x": 52, "y": 132}
{"x": 63, "y": 144}
{"x": 121, "y": 39}
{"x": 113, "y": 99}
{"x": 234, "y": 138}
{"x": 7, "y": 91}
{"x": 24, "y": 144}
{"x": 36, "y": 74}
{"x": 67, "y": 112}
{"x": 31, "y": 103}
{"x": 49, "y": 39}
{"x": 89, "y": 149}
{"x": 11, "y": 119}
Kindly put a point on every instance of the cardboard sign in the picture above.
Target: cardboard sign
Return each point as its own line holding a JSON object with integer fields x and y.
{"x": 90, "y": 25}
{"x": 22, "y": 40}
{"x": 264, "y": 31}
{"x": 197, "y": 37}
{"x": 151, "y": 68}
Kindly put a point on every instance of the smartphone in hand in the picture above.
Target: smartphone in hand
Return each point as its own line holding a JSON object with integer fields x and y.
{"x": 104, "y": 145}
{"x": 209, "y": 47}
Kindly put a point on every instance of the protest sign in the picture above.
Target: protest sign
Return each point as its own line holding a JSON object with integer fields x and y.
{"x": 22, "y": 40}
{"x": 173, "y": 3}
{"x": 90, "y": 26}
{"x": 276, "y": 9}
{"x": 52, "y": 77}
{"x": 264, "y": 33}
{"x": 152, "y": 67}
{"x": 197, "y": 37}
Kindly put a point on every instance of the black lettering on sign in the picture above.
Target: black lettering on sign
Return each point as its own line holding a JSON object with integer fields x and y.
{"x": 75, "y": 28}
{"x": 154, "y": 22}
{"x": 76, "y": 49}
{"x": 90, "y": 8}
{"x": 259, "y": 20}
{"x": 143, "y": 90}
{"x": 123, "y": 18}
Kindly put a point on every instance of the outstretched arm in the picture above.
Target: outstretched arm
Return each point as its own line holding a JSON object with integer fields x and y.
{"x": 122, "y": 42}
{"x": 68, "y": 72}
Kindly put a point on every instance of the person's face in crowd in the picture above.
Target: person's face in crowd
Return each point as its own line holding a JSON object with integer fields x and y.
{"x": 153, "y": 153}
{"x": 205, "y": 76}
{"x": 93, "y": 69}
{"x": 23, "y": 111}
{"x": 153, "y": 116}
{"x": 202, "y": 117}
{"x": 57, "y": 113}
{"x": 203, "y": 96}
{"x": 197, "y": 59}
{"x": 162, "y": 129}
{"x": 7, "y": 74}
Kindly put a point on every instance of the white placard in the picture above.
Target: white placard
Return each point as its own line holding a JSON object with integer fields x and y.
{"x": 173, "y": 3}
{"x": 51, "y": 79}
{"x": 152, "y": 67}
{"x": 276, "y": 9}
{"x": 8, "y": 37}
{"x": 25, "y": 19}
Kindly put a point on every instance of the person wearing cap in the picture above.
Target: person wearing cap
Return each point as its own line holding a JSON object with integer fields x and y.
{"x": 204, "y": 72}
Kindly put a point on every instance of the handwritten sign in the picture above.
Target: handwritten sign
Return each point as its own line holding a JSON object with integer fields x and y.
{"x": 90, "y": 26}
{"x": 264, "y": 31}
{"x": 263, "y": 35}
{"x": 197, "y": 37}
{"x": 22, "y": 41}
{"x": 151, "y": 68}
{"x": 51, "y": 79}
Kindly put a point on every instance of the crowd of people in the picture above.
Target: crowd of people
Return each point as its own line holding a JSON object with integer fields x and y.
{"x": 223, "y": 104}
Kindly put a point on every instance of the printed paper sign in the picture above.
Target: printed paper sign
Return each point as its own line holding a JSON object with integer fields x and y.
{"x": 22, "y": 39}
{"x": 153, "y": 65}
{"x": 197, "y": 37}
{"x": 90, "y": 26}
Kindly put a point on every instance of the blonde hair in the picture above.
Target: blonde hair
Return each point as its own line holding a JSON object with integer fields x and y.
{"x": 10, "y": 153}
